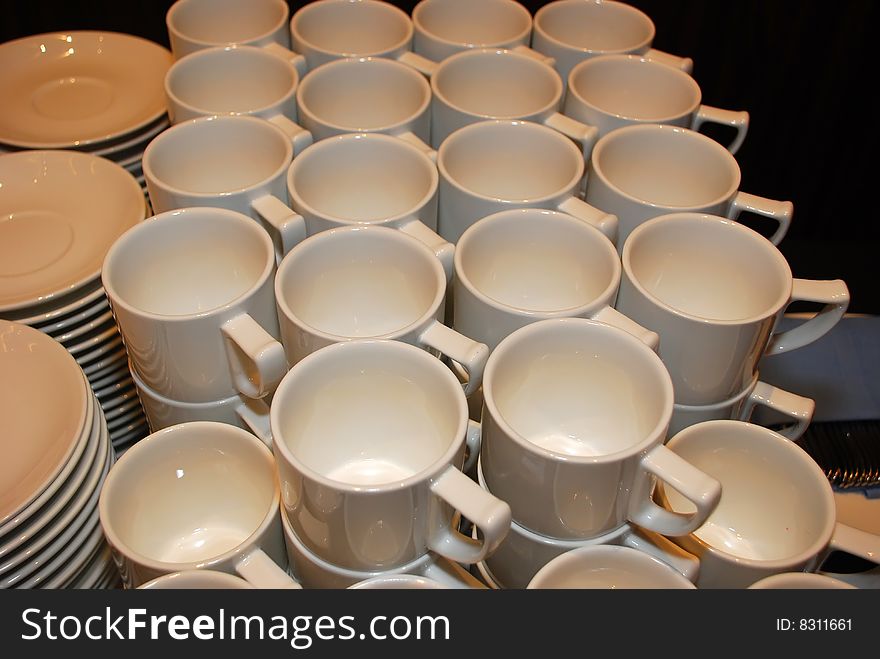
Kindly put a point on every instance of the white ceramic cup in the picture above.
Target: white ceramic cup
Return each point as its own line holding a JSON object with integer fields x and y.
{"x": 497, "y": 165}
{"x": 233, "y": 162}
{"x": 367, "y": 95}
{"x": 575, "y": 414}
{"x": 800, "y": 581}
{"x": 368, "y": 282}
{"x": 314, "y": 572}
{"x": 714, "y": 291}
{"x": 523, "y": 552}
{"x": 571, "y": 31}
{"x": 645, "y": 170}
{"x": 491, "y": 83}
{"x": 398, "y": 582}
{"x": 367, "y": 178}
{"x": 445, "y": 27}
{"x": 796, "y": 410}
{"x": 759, "y": 470}
{"x": 238, "y": 410}
{"x": 370, "y": 436}
{"x": 192, "y": 294}
{"x": 197, "y": 580}
{"x": 608, "y": 567}
{"x": 237, "y": 80}
{"x": 198, "y": 24}
{"x": 612, "y": 91}
{"x": 198, "y": 495}
{"x": 326, "y": 30}
{"x": 519, "y": 266}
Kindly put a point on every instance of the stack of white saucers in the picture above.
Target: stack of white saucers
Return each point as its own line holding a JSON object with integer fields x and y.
{"x": 61, "y": 212}
{"x": 97, "y": 92}
{"x": 56, "y": 454}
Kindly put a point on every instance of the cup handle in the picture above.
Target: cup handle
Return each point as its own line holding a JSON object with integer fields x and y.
{"x": 856, "y": 542}
{"x": 706, "y": 114}
{"x": 299, "y": 136}
{"x": 469, "y": 353}
{"x": 489, "y": 514}
{"x": 442, "y": 248}
{"x": 780, "y": 211}
{"x": 261, "y": 571}
{"x": 255, "y": 415}
{"x": 473, "y": 441}
{"x": 605, "y": 222}
{"x": 833, "y": 294}
{"x": 667, "y": 551}
{"x": 411, "y": 138}
{"x": 613, "y": 317}
{"x": 786, "y": 403}
{"x": 297, "y": 60}
{"x": 288, "y": 229}
{"x": 535, "y": 55}
{"x": 697, "y": 487}
{"x": 421, "y": 64}
{"x": 256, "y": 359}
{"x": 583, "y": 134}
{"x": 451, "y": 575}
{"x": 685, "y": 64}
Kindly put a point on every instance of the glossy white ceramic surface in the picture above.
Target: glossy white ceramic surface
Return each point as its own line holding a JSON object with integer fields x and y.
{"x": 70, "y": 89}
{"x": 714, "y": 291}
{"x": 192, "y": 293}
{"x": 800, "y": 581}
{"x": 370, "y": 436}
{"x": 574, "y": 418}
{"x": 496, "y": 165}
{"x": 197, "y": 580}
{"x": 61, "y": 212}
{"x": 644, "y": 170}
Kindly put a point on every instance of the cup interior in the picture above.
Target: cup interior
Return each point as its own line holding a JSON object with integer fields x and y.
{"x": 498, "y": 84}
{"x": 362, "y": 178}
{"x": 709, "y": 268}
{"x": 538, "y": 261}
{"x": 364, "y": 94}
{"x": 579, "y": 388}
{"x": 227, "y": 21}
{"x": 635, "y": 88}
{"x": 368, "y": 413}
{"x": 511, "y": 160}
{"x": 360, "y": 282}
{"x": 758, "y": 470}
{"x": 608, "y": 567}
{"x": 470, "y": 23}
{"x": 217, "y": 155}
{"x": 190, "y": 495}
{"x": 230, "y": 80}
{"x": 188, "y": 262}
{"x": 352, "y": 28}
{"x": 596, "y": 26}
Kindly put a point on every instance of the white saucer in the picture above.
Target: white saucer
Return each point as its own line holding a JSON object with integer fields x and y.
{"x": 89, "y": 325}
{"x": 68, "y": 322}
{"x": 104, "y": 365}
{"x": 60, "y": 308}
{"x": 105, "y": 350}
{"x": 78, "y": 88}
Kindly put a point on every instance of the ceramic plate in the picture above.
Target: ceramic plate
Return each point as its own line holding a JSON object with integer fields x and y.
{"x": 68, "y": 323}
{"x": 61, "y": 212}
{"x": 107, "y": 363}
{"x": 72, "y": 89}
{"x": 103, "y": 351}
{"x": 61, "y": 308}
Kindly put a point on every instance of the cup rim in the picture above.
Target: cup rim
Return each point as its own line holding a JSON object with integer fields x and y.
{"x": 220, "y": 52}
{"x": 146, "y": 390}
{"x": 608, "y": 139}
{"x": 797, "y": 454}
{"x": 318, "y": 5}
{"x": 196, "y": 124}
{"x": 419, "y": 25}
{"x": 166, "y": 435}
{"x": 475, "y": 53}
{"x": 632, "y": 59}
{"x": 619, "y": 5}
{"x": 336, "y": 352}
{"x": 162, "y": 582}
{"x": 652, "y": 438}
{"x": 519, "y": 124}
{"x": 170, "y": 15}
{"x": 352, "y": 62}
{"x": 730, "y": 225}
{"x": 380, "y": 138}
{"x": 507, "y": 216}
{"x": 180, "y": 215}
{"x": 319, "y": 239}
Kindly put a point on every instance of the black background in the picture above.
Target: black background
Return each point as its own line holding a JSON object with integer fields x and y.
{"x": 805, "y": 71}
